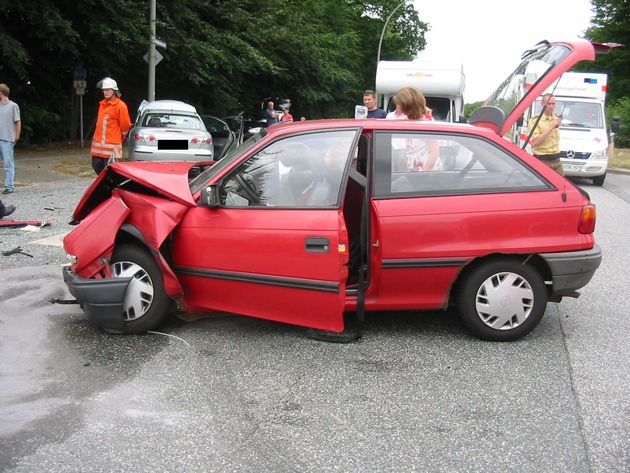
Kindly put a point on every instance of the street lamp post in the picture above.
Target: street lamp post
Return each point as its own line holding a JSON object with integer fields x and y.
{"x": 380, "y": 42}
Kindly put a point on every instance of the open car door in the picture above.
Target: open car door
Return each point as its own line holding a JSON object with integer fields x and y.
{"x": 223, "y": 136}
{"x": 271, "y": 241}
{"x": 540, "y": 67}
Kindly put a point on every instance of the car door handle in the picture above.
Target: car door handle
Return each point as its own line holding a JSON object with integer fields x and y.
{"x": 317, "y": 245}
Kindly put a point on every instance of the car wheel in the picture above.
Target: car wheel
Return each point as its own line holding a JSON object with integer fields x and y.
{"x": 146, "y": 304}
{"x": 502, "y": 300}
{"x": 599, "y": 180}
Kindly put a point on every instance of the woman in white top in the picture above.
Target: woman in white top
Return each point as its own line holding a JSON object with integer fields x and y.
{"x": 420, "y": 154}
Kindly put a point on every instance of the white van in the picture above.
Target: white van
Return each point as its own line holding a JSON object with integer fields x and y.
{"x": 442, "y": 84}
{"x": 584, "y": 138}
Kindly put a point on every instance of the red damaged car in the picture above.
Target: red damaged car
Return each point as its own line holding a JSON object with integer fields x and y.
{"x": 308, "y": 221}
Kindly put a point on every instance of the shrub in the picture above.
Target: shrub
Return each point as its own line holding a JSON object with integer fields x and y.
{"x": 620, "y": 108}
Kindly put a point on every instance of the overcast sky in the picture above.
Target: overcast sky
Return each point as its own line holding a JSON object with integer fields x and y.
{"x": 489, "y": 36}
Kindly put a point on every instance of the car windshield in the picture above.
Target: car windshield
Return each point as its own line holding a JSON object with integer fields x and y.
{"x": 535, "y": 65}
{"x": 576, "y": 113}
{"x": 201, "y": 179}
{"x": 172, "y": 120}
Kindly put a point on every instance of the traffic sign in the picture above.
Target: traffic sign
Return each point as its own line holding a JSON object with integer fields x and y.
{"x": 80, "y": 73}
{"x": 159, "y": 42}
{"x": 158, "y": 57}
{"x": 79, "y": 87}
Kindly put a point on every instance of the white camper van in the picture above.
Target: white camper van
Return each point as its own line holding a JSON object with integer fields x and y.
{"x": 441, "y": 83}
{"x": 580, "y": 102}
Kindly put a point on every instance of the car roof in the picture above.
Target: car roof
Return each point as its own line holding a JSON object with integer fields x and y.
{"x": 167, "y": 105}
{"x": 375, "y": 124}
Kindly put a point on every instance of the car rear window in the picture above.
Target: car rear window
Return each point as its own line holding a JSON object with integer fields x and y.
{"x": 171, "y": 120}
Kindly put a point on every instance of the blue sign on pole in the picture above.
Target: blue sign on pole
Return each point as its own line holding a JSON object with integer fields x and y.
{"x": 80, "y": 74}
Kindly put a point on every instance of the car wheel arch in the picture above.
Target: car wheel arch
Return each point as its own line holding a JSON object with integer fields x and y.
{"x": 146, "y": 304}
{"x": 531, "y": 259}
{"x": 534, "y": 260}
{"x": 130, "y": 234}
{"x": 529, "y": 269}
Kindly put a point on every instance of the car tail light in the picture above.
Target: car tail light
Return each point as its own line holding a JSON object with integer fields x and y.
{"x": 587, "y": 219}
{"x": 143, "y": 137}
{"x": 204, "y": 141}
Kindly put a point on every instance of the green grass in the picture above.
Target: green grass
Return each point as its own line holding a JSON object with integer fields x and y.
{"x": 74, "y": 167}
{"x": 619, "y": 159}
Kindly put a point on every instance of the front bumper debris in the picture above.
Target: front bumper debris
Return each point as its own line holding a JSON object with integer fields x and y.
{"x": 100, "y": 299}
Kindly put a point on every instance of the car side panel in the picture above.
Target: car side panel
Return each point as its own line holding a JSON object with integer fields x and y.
{"x": 423, "y": 243}
{"x": 284, "y": 265}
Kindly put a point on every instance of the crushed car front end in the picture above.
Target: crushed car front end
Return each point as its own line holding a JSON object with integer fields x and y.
{"x": 126, "y": 207}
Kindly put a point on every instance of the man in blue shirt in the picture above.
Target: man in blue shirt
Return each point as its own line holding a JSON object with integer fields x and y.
{"x": 369, "y": 100}
{"x": 10, "y": 129}
{"x": 271, "y": 114}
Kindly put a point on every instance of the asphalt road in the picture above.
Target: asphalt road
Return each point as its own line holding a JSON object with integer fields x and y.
{"x": 230, "y": 393}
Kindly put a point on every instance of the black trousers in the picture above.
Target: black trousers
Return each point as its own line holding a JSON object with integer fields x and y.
{"x": 98, "y": 164}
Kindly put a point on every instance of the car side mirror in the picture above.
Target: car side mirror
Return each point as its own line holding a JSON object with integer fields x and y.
{"x": 210, "y": 196}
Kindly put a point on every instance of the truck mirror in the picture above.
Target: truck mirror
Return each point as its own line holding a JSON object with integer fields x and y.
{"x": 614, "y": 125}
{"x": 210, "y": 196}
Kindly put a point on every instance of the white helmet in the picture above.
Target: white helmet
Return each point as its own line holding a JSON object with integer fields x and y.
{"x": 109, "y": 83}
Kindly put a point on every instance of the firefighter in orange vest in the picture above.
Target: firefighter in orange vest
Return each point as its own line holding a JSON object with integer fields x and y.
{"x": 112, "y": 125}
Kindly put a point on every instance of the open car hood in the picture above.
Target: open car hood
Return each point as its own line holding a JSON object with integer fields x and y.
{"x": 540, "y": 67}
{"x": 168, "y": 179}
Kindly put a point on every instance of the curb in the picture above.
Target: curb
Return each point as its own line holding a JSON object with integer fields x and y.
{"x": 619, "y": 171}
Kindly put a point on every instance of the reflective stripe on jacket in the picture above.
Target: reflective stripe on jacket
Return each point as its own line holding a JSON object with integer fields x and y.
{"x": 112, "y": 125}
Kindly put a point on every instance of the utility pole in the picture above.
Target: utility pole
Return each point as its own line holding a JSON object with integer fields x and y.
{"x": 152, "y": 52}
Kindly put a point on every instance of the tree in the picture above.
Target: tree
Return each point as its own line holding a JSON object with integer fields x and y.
{"x": 222, "y": 56}
{"x": 610, "y": 25}
{"x": 469, "y": 108}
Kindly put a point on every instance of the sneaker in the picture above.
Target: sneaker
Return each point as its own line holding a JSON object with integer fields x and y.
{"x": 8, "y": 191}
{"x": 8, "y": 210}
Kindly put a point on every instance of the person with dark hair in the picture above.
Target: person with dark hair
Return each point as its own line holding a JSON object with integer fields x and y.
{"x": 286, "y": 116}
{"x": 369, "y": 100}
{"x": 10, "y": 129}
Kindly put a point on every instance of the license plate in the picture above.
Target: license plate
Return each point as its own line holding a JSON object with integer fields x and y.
{"x": 572, "y": 167}
{"x": 173, "y": 144}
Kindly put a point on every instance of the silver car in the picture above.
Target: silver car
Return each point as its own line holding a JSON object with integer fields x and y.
{"x": 169, "y": 130}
